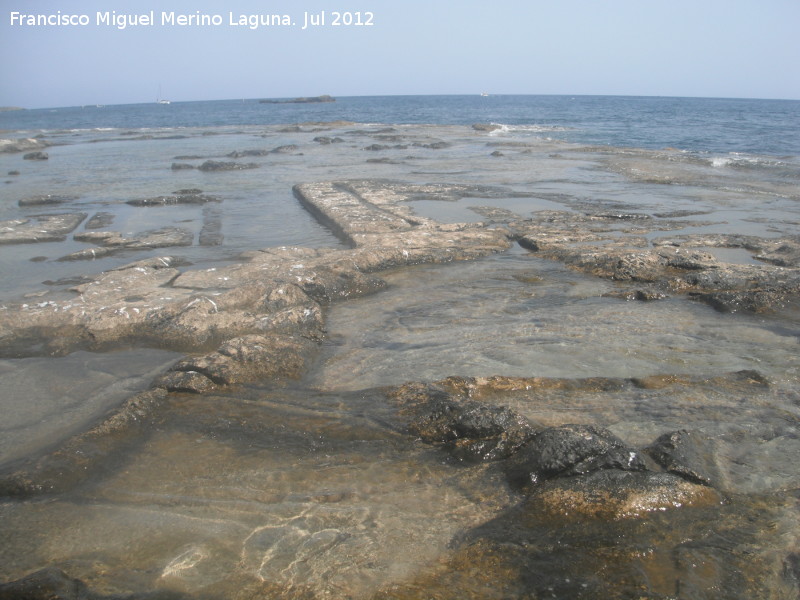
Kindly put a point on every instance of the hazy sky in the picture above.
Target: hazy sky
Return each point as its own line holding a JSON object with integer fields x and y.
{"x": 724, "y": 48}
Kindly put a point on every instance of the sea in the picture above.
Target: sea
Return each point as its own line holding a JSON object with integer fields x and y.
{"x": 724, "y": 126}
{"x": 330, "y": 503}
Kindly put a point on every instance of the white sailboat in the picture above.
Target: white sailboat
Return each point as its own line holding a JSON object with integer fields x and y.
{"x": 159, "y": 99}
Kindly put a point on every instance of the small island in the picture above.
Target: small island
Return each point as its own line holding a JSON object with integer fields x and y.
{"x": 311, "y": 100}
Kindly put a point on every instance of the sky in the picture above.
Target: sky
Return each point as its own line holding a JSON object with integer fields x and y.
{"x": 704, "y": 48}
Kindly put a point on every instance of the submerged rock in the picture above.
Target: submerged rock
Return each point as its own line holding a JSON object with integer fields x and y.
{"x": 613, "y": 494}
{"x": 47, "y": 584}
{"x": 216, "y": 165}
{"x": 36, "y": 156}
{"x": 287, "y": 149}
{"x": 242, "y": 153}
{"x": 689, "y": 454}
{"x": 570, "y": 450}
{"x": 470, "y": 430}
{"x": 51, "y": 583}
{"x": 100, "y": 220}
{"x": 324, "y": 140}
{"x": 112, "y": 241}
{"x": 45, "y": 199}
{"x": 173, "y": 199}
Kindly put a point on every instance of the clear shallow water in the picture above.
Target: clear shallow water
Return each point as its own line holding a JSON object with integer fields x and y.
{"x": 310, "y": 487}
{"x": 517, "y": 315}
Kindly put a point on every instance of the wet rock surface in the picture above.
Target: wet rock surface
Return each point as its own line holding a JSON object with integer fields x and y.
{"x": 178, "y": 198}
{"x": 39, "y": 228}
{"x": 45, "y": 200}
{"x": 590, "y": 497}
{"x": 613, "y": 522}
{"x": 217, "y": 165}
{"x": 112, "y": 241}
{"x": 611, "y": 246}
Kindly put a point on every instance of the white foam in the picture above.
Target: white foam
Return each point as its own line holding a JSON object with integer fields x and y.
{"x": 504, "y": 128}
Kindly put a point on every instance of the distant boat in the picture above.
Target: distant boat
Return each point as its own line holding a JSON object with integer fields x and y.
{"x": 159, "y": 99}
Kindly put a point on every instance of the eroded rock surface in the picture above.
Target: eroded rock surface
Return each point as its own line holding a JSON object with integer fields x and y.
{"x": 612, "y": 246}
{"x": 39, "y": 228}
{"x": 593, "y": 514}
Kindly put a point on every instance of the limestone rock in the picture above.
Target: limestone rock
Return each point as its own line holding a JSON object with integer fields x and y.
{"x": 239, "y": 360}
{"x": 39, "y": 228}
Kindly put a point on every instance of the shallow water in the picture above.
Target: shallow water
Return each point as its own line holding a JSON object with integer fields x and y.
{"x": 313, "y": 487}
{"x": 519, "y": 315}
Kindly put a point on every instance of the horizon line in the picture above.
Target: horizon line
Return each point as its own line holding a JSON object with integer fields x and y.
{"x": 12, "y": 108}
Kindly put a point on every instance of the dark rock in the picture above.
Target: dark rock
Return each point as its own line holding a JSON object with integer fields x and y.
{"x": 242, "y": 153}
{"x": 186, "y": 191}
{"x": 432, "y": 145}
{"x": 51, "y": 583}
{"x": 13, "y": 173}
{"x": 172, "y": 200}
{"x": 48, "y": 584}
{"x": 215, "y": 165}
{"x": 287, "y": 149}
{"x": 323, "y": 139}
{"x": 688, "y": 454}
{"x": 497, "y": 154}
{"x": 36, "y": 156}
{"x": 570, "y": 450}
{"x": 181, "y": 166}
{"x": 486, "y": 127}
{"x": 637, "y": 295}
{"x": 45, "y": 199}
{"x": 470, "y": 430}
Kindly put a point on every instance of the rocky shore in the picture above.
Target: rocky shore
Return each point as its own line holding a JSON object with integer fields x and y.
{"x": 591, "y": 514}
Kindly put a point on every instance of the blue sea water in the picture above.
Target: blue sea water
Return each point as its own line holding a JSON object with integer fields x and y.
{"x": 714, "y": 125}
